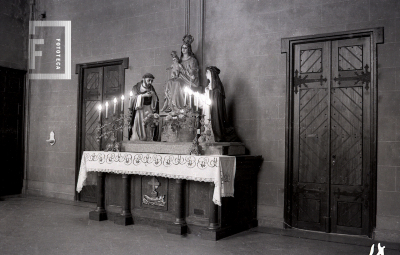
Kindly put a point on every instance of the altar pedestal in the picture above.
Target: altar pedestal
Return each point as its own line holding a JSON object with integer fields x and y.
{"x": 125, "y": 218}
{"x": 201, "y": 216}
{"x": 100, "y": 213}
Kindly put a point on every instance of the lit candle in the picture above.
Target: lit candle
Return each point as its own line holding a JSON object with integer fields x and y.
{"x": 185, "y": 95}
{"x": 197, "y": 101}
{"x": 207, "y": 97}
{"x": 122, "y": 103}
{"x": 130, "y": 99}
{"x": 115, "y": 104}
{"x": 186, "y": 92}
{"x": 106, "y": 109}
{"x": 99, "y": 107}
{"x": 190, "y": 98}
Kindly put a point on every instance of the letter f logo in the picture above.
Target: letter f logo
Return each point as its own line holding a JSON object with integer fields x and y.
{"x": 33, "y": 52}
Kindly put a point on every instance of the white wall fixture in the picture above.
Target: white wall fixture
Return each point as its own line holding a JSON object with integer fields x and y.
{"x": 52, "y": 140}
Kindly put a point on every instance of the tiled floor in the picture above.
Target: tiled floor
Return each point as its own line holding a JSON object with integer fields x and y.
{"x": 38, "y": 226}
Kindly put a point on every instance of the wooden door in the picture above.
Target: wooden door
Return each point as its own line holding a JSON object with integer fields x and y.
{"x": 11, "y": 130}
{"x": 331, "y": 145}
{"x": 92, "y": 97}
{"x": 100, "y": 84}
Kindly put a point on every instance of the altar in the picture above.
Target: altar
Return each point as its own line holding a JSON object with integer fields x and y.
{"x": 182, "y": 166}
{"x": 211, "y": 196}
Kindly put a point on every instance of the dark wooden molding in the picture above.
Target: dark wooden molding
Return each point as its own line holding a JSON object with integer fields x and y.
{"x": 375, "y": 33}
{"x": 120, "y": 61}
{"x": 287, "y": 47}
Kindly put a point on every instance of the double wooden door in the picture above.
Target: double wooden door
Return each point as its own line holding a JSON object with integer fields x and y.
{"x": 99, "y": 85}
{"x": 331, "y": 184}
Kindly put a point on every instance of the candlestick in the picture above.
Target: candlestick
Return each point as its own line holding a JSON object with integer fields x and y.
{"x": 115, "y": 104}
{"x": 122, "y": 103}
{"x": 99, "y": 107}
{"x": 130, "y": 99}
{"x": 106, "y": 109}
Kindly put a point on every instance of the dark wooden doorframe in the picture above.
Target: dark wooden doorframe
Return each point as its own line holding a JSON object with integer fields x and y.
{"x": 80, "y": 68}
{"x": 287, "y": 47}
{"x": 12, "y": 129}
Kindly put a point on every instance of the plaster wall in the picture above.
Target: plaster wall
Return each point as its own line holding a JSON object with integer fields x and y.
{"x": 243, "y": 39}
{"x": 14, "y": 16}
{"x": 146, "y": 31}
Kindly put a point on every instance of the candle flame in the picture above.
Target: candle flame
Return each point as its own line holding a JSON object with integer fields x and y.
{"x": 107, "y": 104}
{"x": 122, "y": 97}
{"x": 189, "y": 91}
{"x": 99, "y": 107}
{"x": 115, "y": 100}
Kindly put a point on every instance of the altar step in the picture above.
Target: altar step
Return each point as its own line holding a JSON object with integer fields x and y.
{"x": 183, "y": 148}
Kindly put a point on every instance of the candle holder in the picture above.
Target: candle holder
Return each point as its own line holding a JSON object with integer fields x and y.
{"x": 110, "y": 130}
{"x": 206, "y": 133}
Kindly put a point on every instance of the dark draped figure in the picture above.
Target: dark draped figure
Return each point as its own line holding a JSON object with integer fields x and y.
{"x": 223, "y": 131}
{"x": 150, "y": 105}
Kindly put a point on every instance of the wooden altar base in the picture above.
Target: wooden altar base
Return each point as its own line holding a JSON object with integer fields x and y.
{"x": 123, "y": 220}
{"x": 177, "y": 229}
{"x": 98, "y": 215}
{"x": 188, "y": 203}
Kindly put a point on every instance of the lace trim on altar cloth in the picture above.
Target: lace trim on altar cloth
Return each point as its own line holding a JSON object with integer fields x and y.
{"x": 173, "y": 176}
{"x": 201, "y": 162}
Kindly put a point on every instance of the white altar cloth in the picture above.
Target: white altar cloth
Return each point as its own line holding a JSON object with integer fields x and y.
{"x": 217, "y": 169}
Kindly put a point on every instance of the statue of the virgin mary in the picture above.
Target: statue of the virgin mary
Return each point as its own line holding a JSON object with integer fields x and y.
{"x": 187, "y": 77}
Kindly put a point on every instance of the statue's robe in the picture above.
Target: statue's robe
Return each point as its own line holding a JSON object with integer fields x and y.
{"x": 222, "y": 130}
{"x": 141, "y": 107}
{"x": 174, "y": 88}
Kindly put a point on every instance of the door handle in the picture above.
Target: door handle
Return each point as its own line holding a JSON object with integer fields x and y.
{"x": 333, "y": 160}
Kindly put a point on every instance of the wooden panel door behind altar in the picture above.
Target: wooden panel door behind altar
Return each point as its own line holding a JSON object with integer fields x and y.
{"x": 331, "y": 145}
{"x": 11, "y": 130}
{"x": 100, "y": 84}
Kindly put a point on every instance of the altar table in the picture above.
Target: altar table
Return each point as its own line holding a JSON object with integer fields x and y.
{"x": 217, "y": 169}
{"x": 210, "y": 196}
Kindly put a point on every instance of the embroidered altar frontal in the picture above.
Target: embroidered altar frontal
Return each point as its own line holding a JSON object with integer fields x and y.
{"x": 217, "y": 169}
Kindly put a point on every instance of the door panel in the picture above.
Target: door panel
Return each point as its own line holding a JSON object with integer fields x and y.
{"x": 92, "y": 97}
{"x": 350, "y": 136}
{"x": 331, "y": 136}
{"x": 311, "y": 132}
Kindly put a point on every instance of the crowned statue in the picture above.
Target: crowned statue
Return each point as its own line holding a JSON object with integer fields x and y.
{"x": 184, "y": 73}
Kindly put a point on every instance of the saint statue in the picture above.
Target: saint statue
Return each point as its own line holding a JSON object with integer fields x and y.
{"x": 185, "y": 73}
{"x": 220, "y": 127}
{"x": 144, "y": 102}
